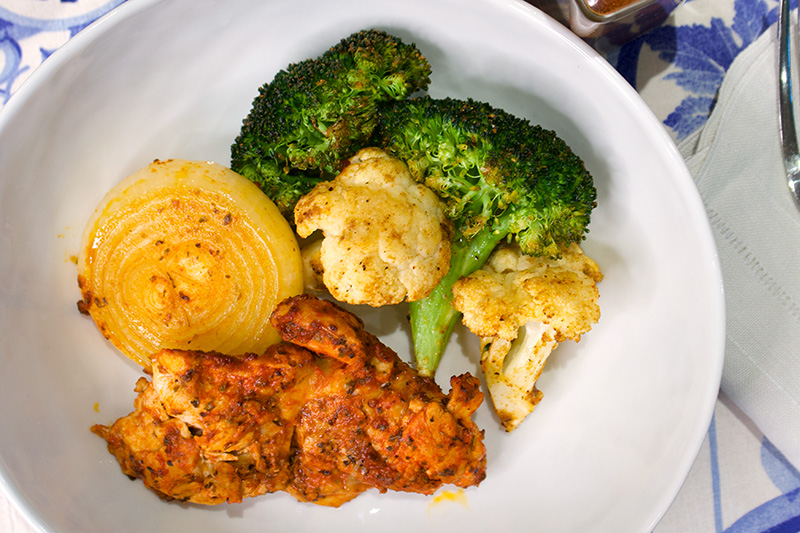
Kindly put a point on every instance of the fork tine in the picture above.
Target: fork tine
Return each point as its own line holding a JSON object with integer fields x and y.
{"x": 791, "y": 154}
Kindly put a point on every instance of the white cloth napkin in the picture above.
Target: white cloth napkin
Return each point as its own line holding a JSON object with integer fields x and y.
{"x": 737, "y": 164}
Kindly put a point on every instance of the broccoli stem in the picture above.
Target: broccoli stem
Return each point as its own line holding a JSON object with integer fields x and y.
{"x": 434, "y": 317}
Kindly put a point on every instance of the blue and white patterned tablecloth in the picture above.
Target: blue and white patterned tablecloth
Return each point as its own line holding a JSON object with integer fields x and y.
{"x": 740, "y": 481}
{"x": 31, "y": 30}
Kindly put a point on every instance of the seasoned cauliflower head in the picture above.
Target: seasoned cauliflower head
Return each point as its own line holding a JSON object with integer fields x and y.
{"x": 385, "y": 237}
{"x": 521, "y": 307}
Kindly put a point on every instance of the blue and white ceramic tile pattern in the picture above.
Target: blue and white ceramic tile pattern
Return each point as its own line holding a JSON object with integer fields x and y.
{"x": 740, "y": 482}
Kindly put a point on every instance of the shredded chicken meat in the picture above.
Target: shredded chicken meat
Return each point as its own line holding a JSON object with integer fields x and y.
{"x": 325, "y": 415}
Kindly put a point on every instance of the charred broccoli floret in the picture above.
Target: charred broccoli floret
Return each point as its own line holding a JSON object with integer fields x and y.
{"x": 316, "y": 113}
{"x": 500, "y": 178}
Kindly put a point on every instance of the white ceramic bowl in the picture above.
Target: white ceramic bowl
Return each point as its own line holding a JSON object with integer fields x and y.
{"x": 624, "y": 412}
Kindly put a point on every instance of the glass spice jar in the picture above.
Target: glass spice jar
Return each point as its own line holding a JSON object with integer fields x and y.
{"x": 617, "y": 21}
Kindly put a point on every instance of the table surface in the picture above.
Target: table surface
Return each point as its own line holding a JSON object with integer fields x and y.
{"x": 740, "y": 482}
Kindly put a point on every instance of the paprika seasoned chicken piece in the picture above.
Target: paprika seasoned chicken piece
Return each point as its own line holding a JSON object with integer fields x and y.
{"x": 326, "y": 414}
{"x": 385, "y": 237}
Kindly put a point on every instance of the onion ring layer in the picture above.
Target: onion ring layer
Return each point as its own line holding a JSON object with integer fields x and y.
{"x": 187, "y": 255}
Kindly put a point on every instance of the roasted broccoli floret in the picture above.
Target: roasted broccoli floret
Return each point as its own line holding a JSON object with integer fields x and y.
{"x": 500, "y": 177}
{"x": 316, "y": 113}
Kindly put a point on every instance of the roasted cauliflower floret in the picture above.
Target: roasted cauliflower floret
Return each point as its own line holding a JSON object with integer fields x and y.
{"x": 385, "y": 237}
{"x": 521, "y": 307}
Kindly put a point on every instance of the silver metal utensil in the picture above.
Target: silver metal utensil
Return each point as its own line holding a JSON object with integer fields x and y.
{"x": 791, "y": 154}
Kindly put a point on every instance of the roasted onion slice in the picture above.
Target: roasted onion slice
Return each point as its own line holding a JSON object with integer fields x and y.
{"x": 187, "y": 255}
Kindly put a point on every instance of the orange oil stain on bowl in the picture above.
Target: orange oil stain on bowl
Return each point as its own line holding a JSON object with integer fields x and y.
{"x": 455, "y": 496}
